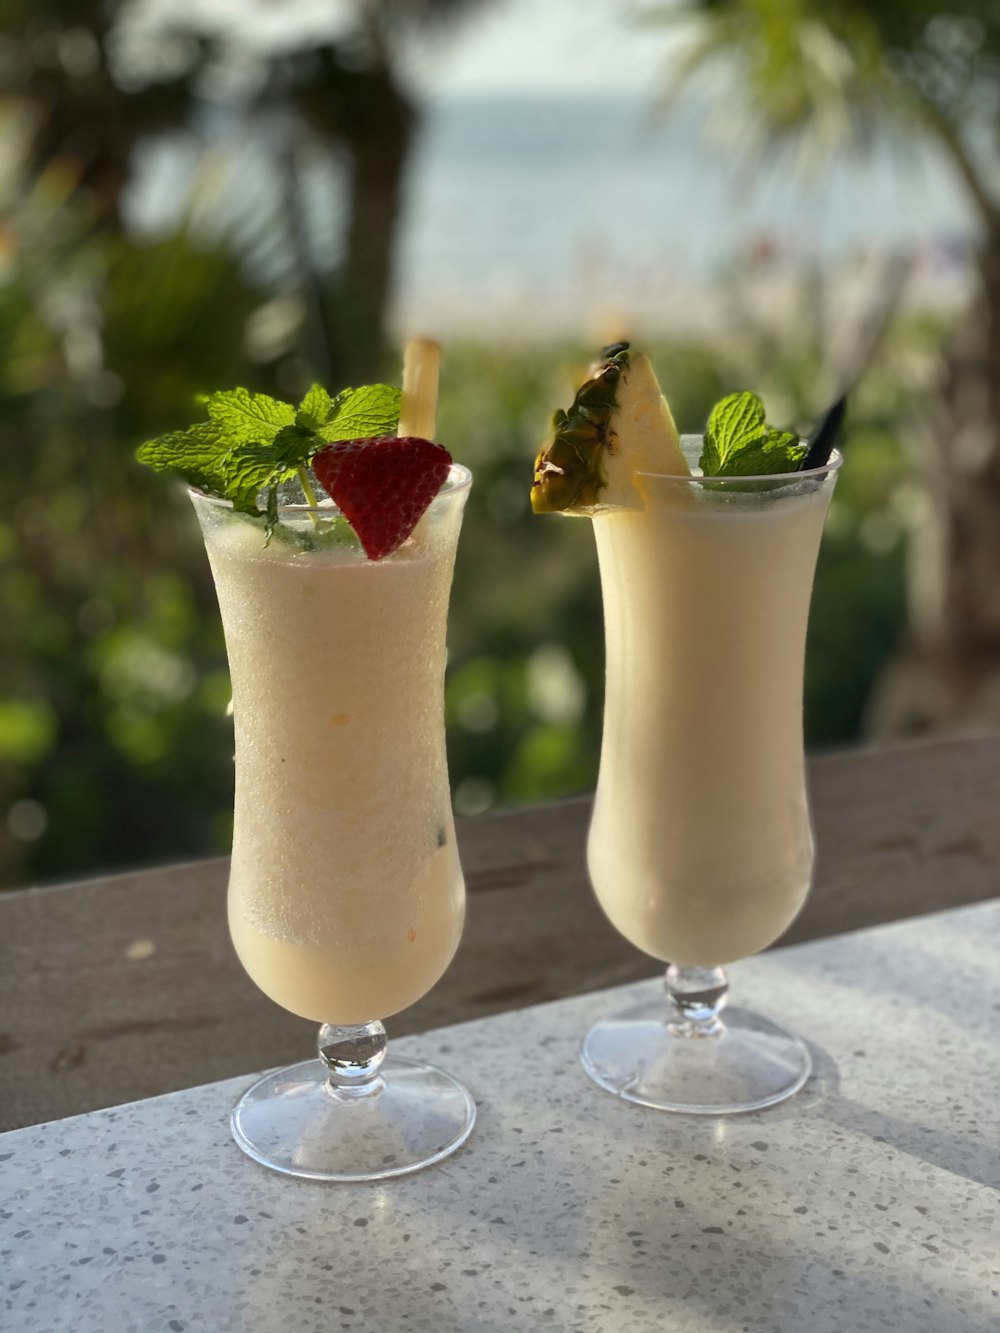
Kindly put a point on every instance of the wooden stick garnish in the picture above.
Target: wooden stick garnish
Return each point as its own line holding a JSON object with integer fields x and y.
{"x": 421, "y": 370}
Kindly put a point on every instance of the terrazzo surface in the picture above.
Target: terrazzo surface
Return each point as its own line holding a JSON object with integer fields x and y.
{"x": 868, "y": 1203}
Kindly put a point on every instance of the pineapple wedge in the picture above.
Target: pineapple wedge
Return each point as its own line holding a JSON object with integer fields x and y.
{"x": 619, "y": 425}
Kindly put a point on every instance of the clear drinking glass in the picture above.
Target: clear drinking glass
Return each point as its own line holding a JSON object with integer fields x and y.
{"x": 346, "y": 896}
{"x": 700, "y": 848}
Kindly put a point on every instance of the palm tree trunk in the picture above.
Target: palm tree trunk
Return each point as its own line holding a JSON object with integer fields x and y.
{"x": 946, "y": 675}
{"x": 375, "y": 124}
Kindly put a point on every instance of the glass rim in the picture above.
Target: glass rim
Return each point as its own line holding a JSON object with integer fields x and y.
{"x": 459, "y": 479}
{"x": 734, "y": 483}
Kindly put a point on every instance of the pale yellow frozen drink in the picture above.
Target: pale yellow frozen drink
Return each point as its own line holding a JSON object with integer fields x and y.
{"x": 346, "y": 895}
{"x": 700, "y": 849}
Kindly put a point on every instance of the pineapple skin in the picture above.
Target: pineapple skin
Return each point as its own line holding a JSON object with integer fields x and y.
{"x": 619, "y": 424}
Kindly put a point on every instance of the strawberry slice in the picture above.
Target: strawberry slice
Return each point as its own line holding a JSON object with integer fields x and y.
{"x": 382, "y": 486}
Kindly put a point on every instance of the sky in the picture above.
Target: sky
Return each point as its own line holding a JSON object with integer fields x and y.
{"x": 684, "y": 205}
{"x": 535, "y": 47}
{"x": 544, "y": 46}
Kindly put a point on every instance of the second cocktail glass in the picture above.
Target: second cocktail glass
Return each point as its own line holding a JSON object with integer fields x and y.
{"x": 346, "y": 896}
{"x": 700, "y": 848}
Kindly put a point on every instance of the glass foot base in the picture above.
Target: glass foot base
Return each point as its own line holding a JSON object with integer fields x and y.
{"x": 292, "y": 1122}
{"x": 753, "y": 1062}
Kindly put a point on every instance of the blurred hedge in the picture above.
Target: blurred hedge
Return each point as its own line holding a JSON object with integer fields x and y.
{"x": 114, "y": 744}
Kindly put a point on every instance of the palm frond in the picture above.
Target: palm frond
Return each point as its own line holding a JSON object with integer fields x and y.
{"x": 794, "y": 71}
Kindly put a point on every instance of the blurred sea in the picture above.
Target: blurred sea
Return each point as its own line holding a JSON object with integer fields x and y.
{"x": 533, "y": 217}
{"x": 556, "y": 214}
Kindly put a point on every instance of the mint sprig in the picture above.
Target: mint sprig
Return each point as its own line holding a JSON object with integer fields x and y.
{"x": 316, "y": 408}
{"x": 194, "y": 453}
{"x": 739, "y": 443}
{"x": 361, "y": 414}
{"x": 251, "y": 443}
{"x": 243, "y": 416}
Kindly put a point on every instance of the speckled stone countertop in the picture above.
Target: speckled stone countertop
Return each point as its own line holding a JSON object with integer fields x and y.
{"x": 867, "y": 1203}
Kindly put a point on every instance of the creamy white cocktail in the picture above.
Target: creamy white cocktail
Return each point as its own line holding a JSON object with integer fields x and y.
{"x": 700, "y": 849}
{"x": 346, "y": 896}
{"x": 331, "y": 528}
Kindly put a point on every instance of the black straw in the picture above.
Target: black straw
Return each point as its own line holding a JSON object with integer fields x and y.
{"x": 824, "y": 437}
{"x": 867, "y": 338}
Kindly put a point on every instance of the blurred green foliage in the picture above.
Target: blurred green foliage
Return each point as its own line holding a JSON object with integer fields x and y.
{"x": 113, "y": 744}
{"x": 526, "y": 679}
{"x": 115, "y": 747}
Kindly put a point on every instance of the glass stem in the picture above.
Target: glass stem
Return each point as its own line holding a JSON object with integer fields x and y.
{"x": 353, "y": 1055}
{"x": 696, "y": 997}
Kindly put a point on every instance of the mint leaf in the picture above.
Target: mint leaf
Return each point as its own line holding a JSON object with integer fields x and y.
{"x": 739, "y": 442}
{"x": 250, "y": 468}
{"x": 734, "y": 422}
{"x": 271, "y": 514}
{"x": 361, "y": 414}
{"x": 314, "y": 409}
{"x": 254, "y": 465}
{"x": 196, "y": 453}
{"x": 242, "y": 416}
{"x": 252, "y": 443}
{"x": 328, "y": 532}
{"x": 293, "y": 445}
{"x": 778, "y": 451}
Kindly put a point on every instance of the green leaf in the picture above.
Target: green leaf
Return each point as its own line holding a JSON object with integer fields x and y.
{"x": 328, "y": 532}
{"x": 249, "y": 469}
{"x": 293, "y": 445}
{"x": 255, "y": 465}
{"x": 778, "y": 451}
{"x": 315, "y": 408}
{"x": 361, "y": 414}
{"x": 734, "y": 422}
{"x": 252, "y": 443}
{"x": 197, "y": 454}
{"x": 739, "y": 443}
{"x": 242, "y": 416}
{"x": 271, "y": 511}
